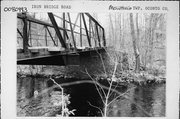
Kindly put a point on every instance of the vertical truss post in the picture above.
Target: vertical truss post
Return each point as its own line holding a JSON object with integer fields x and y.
{"x": 104, "y": 39}
{"x": 29, "y": 33}
{"x": 46, "y": 36}
{"x": 98, "y": 35}
{"x": 89, "y": 41}
{"x": 65, "y": 35}
{"x": 72, "y": 32}
{"x": 90, "y": 29}
{"x": 80, "y": 31}
{"x": 25, "y": 35}
{"x": 57, "y": 38}
{"x": 53, "y": 21}
{"x": 64, "y": 26}
{"x": 94, "y": 36}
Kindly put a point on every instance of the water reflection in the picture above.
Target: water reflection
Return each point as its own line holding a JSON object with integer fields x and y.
{"x": 143, "y": 101}
{"x": 158, "y": 106}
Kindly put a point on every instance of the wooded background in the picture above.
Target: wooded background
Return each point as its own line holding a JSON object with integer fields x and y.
{"x": 141, "y": 36}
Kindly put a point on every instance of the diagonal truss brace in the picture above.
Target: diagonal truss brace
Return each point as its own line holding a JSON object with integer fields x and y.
{"x": 89, "y": 40}
{"x": 53, "y": 21}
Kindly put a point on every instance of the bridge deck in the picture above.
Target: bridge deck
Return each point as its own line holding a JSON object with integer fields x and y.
{"x": 54, "y": 55}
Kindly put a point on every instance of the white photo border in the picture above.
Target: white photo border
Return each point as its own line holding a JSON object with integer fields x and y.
{"x": 8, "y": 48}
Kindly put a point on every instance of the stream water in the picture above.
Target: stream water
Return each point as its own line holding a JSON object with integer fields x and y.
{"x": 139, "y": 101}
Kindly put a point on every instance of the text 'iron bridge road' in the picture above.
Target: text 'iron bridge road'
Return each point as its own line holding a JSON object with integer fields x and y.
{"x": 55, "y": 40}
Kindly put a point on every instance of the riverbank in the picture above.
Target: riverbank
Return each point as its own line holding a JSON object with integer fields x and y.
{"x": 141, "y": 78}
{"x": 128, "y": 76}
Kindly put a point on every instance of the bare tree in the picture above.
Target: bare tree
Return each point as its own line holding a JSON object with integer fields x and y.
{"x": 135, "y": 40}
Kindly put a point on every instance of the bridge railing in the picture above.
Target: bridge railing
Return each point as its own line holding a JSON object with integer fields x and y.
{"x": 84, "y": 32}
{"x": 35, "y": 33}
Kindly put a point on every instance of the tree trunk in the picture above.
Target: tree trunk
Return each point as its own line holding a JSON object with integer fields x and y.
{"x": 134, "y": 39}
{"x": 112, "y": 29}
{"x": 153, "y": 23}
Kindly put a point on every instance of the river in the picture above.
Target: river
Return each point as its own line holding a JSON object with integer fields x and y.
{"x": 139, "y": 101}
